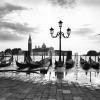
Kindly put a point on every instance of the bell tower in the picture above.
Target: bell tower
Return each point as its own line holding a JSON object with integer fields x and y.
{"x": 30, "y": 44}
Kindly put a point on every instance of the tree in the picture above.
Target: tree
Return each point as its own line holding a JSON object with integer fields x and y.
{"x": 8, "y": 51}
{"x": 15, "y": 51}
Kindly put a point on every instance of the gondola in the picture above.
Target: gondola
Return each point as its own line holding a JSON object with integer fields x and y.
{"x": 84, "y": 64}
{"x": 43, "y": 71}
{"x": 94, "y": 65}
{"x": 1, "y": 58}
{"x": 58, "y": 64}
{"x": 69, "y": 64}
{"x": 28, "y": 65}
{"x": 6, "y": 63}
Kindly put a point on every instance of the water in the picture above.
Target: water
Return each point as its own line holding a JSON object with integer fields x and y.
{"x": 76, "y": 74}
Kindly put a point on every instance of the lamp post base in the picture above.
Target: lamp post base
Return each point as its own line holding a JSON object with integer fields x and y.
{"x": 59, "y": 64}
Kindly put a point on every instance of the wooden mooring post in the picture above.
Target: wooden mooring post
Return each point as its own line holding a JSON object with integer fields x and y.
{"x": 90, "y": 76}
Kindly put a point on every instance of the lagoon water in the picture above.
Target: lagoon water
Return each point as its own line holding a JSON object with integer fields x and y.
{"x": 76, "y": 74}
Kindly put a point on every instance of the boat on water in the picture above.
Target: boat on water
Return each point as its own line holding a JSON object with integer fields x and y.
{"x": 58, "y": 64}
{"x": 44, "y": 71}
{"x": 69, "y": 64}
{"x": 2, "y": 57}
{"x": 5, "y": 63}
{"x": 95, "y": 65}
{"x": 44, "y": 65}
{"x": 85, "y": 64}
{"x": 31, "y": 65}
{"x": 69, "y": 61}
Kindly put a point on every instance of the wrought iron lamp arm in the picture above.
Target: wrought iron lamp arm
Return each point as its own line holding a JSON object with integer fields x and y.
{"x": 55, "y": 36}
{"x": 64, "y": 35}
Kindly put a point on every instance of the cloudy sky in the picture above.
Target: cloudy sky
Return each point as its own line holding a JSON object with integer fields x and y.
{"x": 19, "y": 18}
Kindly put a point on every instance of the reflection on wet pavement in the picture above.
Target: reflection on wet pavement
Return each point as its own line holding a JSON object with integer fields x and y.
{"x": 57, "y": 84}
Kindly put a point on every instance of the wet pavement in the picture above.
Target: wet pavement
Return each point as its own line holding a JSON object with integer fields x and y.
{"x": 57, "y": 84}
{"x": 11, "y": 89}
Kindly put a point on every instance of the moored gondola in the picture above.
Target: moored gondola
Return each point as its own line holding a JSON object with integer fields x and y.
{"x": 94, "y": 65}
{"x": 28, "y": 65}
{"x": 69, "y": 61}
{"x": 6, "y": 63}
{"x": 1, "y": 58}
{"x": 43, "y": 71}
{"x": 85, "y": 64}
{"x": 69, "y": 64}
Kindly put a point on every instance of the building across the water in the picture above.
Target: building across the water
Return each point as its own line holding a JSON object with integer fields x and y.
{"x": 43, "y": 50}
{"x": 62, "y": 52}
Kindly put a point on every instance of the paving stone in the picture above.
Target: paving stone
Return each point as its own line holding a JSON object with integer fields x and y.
{"x": 67, "y": 97}
{"x": 2, "y": 98}
{"x": 59, "y": 90}
{"x": 85, "y": 98}
{"x": 59, "y": 96}
{"x": 43, "y": 99}
{"x": 5, "y": 95}
{"x": 28, "y": 99}
{"x": 66, "y": 91}
{"x": 12, "y": 98}
{"x": 44, "y": 95}
{"x": 77, "y": 98}
{"x": 51, "y": 96}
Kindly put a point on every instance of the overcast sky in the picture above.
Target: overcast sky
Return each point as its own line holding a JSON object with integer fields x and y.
{"x": 19, "y": 18}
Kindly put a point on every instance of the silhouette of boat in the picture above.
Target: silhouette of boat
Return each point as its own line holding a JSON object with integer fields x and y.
{"x": 43, "y": 71}
{"x": 58, "y": 64}
{"x": 5, "y": 63}
{"x": 84, "y": 64}
{"x": 69, "y": 64}
{"x": 43, "y": 68}
{"x": 94, "y": 65}
{"x": 2, "y": 57}
{"x": 28, "y": 65}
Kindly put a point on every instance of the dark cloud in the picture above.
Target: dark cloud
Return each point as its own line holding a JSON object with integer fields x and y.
{"x": 19, "y": 28}
{"x": 14, "y": 31}
{"x": 7, "y": 36}
{"x": 64, "y": 3}
{"x": 8, "y": 8}
{"x": 84, "y": 31}
{"x": 91, "y": 2}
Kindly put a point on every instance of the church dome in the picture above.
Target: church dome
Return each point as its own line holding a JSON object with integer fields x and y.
{"x": 43, "y": 46}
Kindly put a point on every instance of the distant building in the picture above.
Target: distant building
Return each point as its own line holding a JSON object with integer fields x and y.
{"x": 43, "y": 50}
{"x": 30, "y": 44}
{"x": 65, "y": 53}
{"x": 62, "y": 53}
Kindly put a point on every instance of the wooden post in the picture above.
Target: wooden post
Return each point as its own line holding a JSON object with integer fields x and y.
{"x": 17, "y": 57}
{"x": 95, "y": 73}
{"x": 95, "y": 58}
{"x": 90, "y": 76}
{"x": 63, "y": 57}
{"x": 85, "y": 57}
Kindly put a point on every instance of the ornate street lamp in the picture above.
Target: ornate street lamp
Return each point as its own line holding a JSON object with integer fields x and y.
{"x": 60, "y": 33}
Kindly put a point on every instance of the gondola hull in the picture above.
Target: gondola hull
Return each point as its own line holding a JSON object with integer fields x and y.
{"x": 95, "y": 66}
{"x": 86, "y": 66}
{"x": 69, "y": 64}
{"x": 5, "y": 64}
{"x": 27, "y": 65}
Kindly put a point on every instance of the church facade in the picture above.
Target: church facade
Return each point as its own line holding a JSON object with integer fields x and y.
{"x": 43, "y": 50}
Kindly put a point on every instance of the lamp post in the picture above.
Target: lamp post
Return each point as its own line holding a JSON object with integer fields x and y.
{"x": 60, "y": 33}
